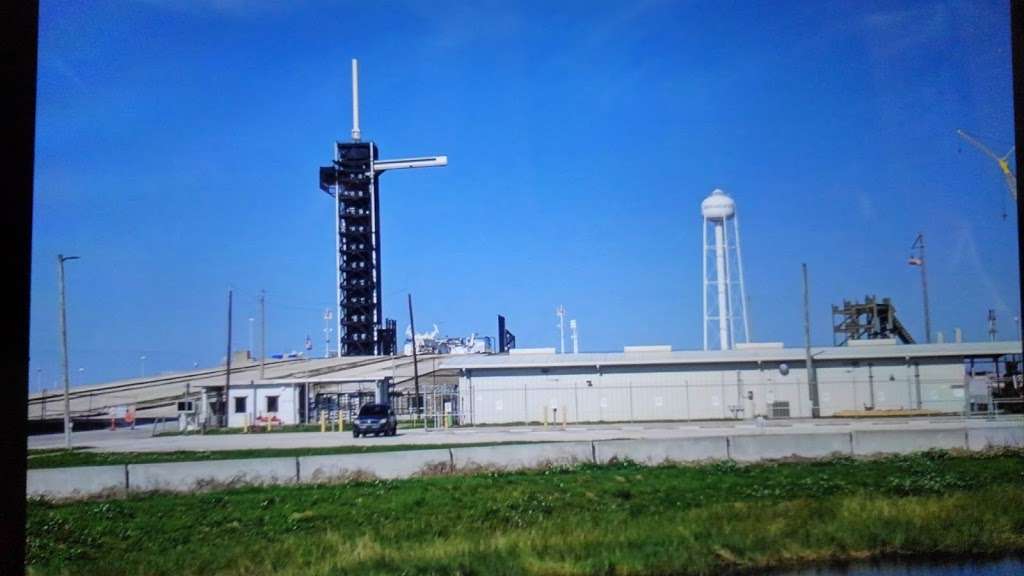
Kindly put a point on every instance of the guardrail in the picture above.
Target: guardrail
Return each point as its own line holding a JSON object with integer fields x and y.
{"x": 123, "y": 480}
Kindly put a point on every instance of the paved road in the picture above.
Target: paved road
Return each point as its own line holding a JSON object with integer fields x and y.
{"x": 142, "y": 440}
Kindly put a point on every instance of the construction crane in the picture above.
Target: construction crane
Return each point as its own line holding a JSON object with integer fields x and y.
{"x": 1004, "y": 165}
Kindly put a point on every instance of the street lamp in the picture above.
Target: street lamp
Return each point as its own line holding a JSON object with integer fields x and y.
{"x": 61, "y": 259}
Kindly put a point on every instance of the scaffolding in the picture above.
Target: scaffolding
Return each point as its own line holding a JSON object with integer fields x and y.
{"x": 868, "y": 320}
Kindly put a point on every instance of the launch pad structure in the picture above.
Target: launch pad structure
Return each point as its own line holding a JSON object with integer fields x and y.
{"x": 872, "y": 319}
{"x": 353, "y": 180}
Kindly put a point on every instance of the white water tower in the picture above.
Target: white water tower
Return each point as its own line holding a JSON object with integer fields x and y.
{"x": 719, "y": 210}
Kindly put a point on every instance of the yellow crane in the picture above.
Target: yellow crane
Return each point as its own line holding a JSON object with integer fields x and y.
{"x": 1004, "y": 164}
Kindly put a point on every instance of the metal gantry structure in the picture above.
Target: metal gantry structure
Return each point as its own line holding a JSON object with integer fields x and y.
{"x": 506, "y": 339}
{"x": 868, "y": 320}
{"x": 352, "y": 180}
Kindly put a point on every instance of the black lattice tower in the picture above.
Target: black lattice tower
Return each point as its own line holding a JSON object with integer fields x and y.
{"x": 353, "y": 180}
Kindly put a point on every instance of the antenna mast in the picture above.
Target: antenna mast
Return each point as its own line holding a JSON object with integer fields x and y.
{"x": 356, "y": 135}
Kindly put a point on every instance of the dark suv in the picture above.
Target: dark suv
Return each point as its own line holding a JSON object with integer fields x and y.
{"x": 375, "y": 419}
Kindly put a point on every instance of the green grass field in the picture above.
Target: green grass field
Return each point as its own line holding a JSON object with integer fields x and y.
{"x": 61, "y": 458}
{"x": 617, "y": 519}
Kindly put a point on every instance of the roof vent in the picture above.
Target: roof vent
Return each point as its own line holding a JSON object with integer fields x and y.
{"x": 758, "y": 345}
{"x": 518, "y": 351}
{"x": 646, "y": 349}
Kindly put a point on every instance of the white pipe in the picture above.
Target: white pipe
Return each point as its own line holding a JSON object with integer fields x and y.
{"x": 728, "y": 285}
{"x": 739, "y": 268}
{"x": 704, "y": 277}
{"x": 575, "y": 337}
{"x": 561, "y": 328}
{"x": 355, "y": 100}
{"x": 723, "y": 328}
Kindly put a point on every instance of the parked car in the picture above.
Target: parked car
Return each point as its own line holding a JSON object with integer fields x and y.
{"x": 375, "y": 419}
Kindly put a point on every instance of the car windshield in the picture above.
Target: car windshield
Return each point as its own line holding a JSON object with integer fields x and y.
{"x": 373, "y": 410}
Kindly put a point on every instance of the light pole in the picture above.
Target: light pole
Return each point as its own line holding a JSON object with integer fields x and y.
{"x": 39, "y": 380}
{"x": 263, "y": 333}
{"x": 251, "y": 349}
{"x": 327, "y": 332}
{"x": 142, "y": 361}
{"x": 920, "y": 261}
{"x": 64, "y": 349}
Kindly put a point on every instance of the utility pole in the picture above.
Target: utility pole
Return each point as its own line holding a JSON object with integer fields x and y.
{"x": 227, "y": 371}
{"x": 812, "y": 375}
{"x": 919, "y": 260}
{"x": 64, "y": 349}
{"x": 252, "y": 351}
{"x": 263, "y": 332}
{"x": 415, "y": 365}
{"x": 992, "y": 325}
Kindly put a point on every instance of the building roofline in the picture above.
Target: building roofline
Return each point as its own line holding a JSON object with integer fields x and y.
{"x": 821, "y": 354}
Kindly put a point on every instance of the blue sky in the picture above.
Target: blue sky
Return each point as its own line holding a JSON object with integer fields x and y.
{"x": 178, "y": 144}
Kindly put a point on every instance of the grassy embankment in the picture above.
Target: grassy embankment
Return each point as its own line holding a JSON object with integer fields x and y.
{"x": 618, "y": 519}
{"x": 61, "y": 458}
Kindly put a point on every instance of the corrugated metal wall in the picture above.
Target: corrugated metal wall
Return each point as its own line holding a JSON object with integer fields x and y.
{"x": 708, "y": 392}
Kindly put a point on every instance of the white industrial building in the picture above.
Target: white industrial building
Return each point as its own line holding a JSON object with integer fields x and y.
{"x": 656, "y": 383}
{"x": 531, "y": 385}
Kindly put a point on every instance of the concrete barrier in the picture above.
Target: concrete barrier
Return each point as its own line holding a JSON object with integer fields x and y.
{"x": 341, "y": 467}
{"x": 514, "y": 457}
{"x": 658, "y": 451}
{"x": 773, "y": 446}
{"x": 99, "y": 481}
{"x": 906, "y": 441}
{"x": 74, "y": 483}
{"x": 982, "y": 438}
{"x": 211, "y": 474}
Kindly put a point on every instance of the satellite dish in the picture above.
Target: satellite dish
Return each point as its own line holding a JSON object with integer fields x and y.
{"x": 783, "y": 368}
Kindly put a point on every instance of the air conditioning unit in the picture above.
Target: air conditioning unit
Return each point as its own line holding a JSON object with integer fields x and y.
{"x": 780, "y": 410}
